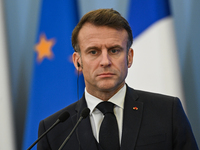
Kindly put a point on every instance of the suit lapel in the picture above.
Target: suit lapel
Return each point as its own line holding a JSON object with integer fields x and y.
{"x": 131, "y": 119}
{"x": 84, "y": 131}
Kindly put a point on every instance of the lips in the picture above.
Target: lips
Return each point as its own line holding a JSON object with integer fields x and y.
{"x": 106, "y": 75}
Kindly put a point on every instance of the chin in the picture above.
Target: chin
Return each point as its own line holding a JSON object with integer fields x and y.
{"x": 107, "y": 86}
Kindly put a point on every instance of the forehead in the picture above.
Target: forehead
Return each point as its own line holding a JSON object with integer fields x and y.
{"x": 92, "y": 34}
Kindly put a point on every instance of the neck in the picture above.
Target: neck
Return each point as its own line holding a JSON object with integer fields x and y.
{"x": 104, "y": 95}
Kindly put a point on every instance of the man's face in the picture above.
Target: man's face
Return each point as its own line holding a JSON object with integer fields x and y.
{"x": 103, "y": 57}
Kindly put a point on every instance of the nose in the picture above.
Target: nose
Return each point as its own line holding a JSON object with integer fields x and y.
{"x": 105, "y": 59}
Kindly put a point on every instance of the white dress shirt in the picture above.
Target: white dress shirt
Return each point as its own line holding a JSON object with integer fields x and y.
{"x": 96, "y": 115}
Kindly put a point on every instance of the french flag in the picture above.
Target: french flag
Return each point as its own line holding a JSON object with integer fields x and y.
{"x": 156, "y": 64}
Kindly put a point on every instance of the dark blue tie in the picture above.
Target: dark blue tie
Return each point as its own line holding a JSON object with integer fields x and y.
{"x": 109, "y": 133}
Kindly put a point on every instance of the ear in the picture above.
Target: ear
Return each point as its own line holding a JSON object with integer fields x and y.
{"x": 130, "y": 57}
{"x": 77, "y": 60}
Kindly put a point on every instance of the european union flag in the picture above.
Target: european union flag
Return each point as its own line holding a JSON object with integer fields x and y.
{"x": 54, "y": 80}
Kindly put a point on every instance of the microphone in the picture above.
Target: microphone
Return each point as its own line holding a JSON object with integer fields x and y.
{"x": 62, "y": 117}
{"x": 84, "y": 114}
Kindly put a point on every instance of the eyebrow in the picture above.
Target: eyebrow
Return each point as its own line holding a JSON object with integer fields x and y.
{"x": 92, "y": 47}
{"x": 116, "y": 46}
{"x": 109, "y": 48}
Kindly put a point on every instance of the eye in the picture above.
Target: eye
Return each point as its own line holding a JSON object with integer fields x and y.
{"x": 93, "y": 52}
{"x": 114, "y": 51}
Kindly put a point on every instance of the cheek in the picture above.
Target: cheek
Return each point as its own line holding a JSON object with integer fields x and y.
{"x": 123, "y": 67}
{"x": 88, "y": 68}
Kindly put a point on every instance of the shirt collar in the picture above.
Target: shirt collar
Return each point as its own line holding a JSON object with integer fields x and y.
{"x": 117, "y": 99}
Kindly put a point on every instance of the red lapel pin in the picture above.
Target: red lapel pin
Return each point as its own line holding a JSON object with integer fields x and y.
{"x": 135, "y": 108}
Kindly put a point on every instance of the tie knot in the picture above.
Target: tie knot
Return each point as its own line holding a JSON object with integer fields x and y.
{"x": 106, "y": 107}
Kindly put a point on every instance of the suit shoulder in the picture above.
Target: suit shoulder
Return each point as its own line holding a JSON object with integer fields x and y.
{"x": 154, "y": 95}
{"x": 146, "y": 96}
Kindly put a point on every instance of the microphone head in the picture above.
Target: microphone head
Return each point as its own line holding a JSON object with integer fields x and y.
{"x": 85, "y": 112}
{"x": 64, "y": 116}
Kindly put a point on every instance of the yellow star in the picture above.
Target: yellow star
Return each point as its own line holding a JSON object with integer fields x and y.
{"x": 44, "y": 48}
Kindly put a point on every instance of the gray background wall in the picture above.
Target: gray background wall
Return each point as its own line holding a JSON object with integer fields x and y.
{"x": 22, "y": 20}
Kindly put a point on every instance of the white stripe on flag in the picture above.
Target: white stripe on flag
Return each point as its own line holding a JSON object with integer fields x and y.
{"x": 6, "y": 125}
{"x": 155, "y": 66}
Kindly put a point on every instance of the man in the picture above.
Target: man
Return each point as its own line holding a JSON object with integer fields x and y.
{"x": 145, "y": 121}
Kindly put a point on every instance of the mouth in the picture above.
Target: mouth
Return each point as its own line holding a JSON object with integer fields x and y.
{"x": 106, "y": 75}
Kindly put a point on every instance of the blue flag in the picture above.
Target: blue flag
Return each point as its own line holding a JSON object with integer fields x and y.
{"x": 54, "y": 80}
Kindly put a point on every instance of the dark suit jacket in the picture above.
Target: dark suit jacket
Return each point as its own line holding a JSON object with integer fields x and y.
{"x": 159, "y": 124}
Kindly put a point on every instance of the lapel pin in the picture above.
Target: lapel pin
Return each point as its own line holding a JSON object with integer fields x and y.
{"x": 135, "y": 108}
